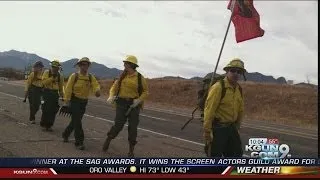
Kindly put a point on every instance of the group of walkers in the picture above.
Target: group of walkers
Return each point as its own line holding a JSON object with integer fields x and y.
{"x": 127, "y": 94}
{"x": 223, "y": 110}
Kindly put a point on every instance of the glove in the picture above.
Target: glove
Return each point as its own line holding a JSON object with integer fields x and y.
{"x": 136, "y": 102}
{"x": 111, "y": 99}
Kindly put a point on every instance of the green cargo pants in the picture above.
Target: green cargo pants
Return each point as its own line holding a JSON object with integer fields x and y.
{"x": 34, "y": 98}
{"x": 120, "y": 120}
{"x": 50, "y": 107}
{"x": 226, "y": 141}
{"x": 78, "y": 108}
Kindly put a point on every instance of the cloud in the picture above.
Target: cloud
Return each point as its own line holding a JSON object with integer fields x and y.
{"x": 169, "y": 37}
{"x": 110, "y": 11}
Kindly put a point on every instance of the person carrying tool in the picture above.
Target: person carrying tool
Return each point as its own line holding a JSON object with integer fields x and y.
{"x": 223, "y": 113}
{"x": 53, "y": 82}
{"x": 33, "y": 90}
{"x": 128, "y": 93}
{"x": 76, "y": 96}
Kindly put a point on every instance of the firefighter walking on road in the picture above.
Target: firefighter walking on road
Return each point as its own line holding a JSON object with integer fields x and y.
{"x": 128, "y": 93}
{"x": 222, "y": 117}
{"x": 53, "y": 82}
{"x": 76, "y": 96}
{"x": 33, "y": 90}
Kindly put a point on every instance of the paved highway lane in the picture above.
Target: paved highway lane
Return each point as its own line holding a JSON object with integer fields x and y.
{"x": 303, "y": 142}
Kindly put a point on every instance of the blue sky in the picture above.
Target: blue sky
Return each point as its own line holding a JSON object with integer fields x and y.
{"x": 169, "y": 37}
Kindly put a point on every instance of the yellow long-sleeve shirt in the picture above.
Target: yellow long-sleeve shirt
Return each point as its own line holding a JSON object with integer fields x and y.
{"x": 52, "y": 82}
{"x": 36, "y": 81}
{"x": 129, "y": 87}
{"x": 81, "y": 89}
{"x": 229, "y": 110}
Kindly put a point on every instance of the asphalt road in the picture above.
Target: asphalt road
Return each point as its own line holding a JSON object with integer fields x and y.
{"x": 303, "y": 142}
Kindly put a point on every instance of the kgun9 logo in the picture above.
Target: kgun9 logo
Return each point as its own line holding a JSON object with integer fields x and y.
{"x": 267, "y": 148}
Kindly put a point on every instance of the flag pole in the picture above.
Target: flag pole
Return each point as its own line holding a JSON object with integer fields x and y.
{"x": 208, "y": 144}
{"x": 224, "y": 40}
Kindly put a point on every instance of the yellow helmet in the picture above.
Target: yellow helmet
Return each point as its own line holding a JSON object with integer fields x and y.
{"x": 55, "y": 63}
{"x": 84, "y": 59}
{"x": 131, "y": 59}
{"x": 235, "y": 63}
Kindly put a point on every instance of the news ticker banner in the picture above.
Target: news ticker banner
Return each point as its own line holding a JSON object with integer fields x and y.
{"x": 152, "y": 167}
{"x": 111, "y": 162}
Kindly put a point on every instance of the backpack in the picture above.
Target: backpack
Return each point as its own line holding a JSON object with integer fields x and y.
{"x": 203, "y": 92}
{"x": 139, "y": 84}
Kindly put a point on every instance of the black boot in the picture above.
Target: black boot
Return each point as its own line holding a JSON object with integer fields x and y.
{"x": 106, "y": 144}
{"x": 65, "y": 138}
{"x": 80, "y": 146}
{"x": 131, "y": 149}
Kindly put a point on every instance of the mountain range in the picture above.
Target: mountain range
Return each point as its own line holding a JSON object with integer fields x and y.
{"x": 254, "y": 77}
{"x": 20, "y": 60}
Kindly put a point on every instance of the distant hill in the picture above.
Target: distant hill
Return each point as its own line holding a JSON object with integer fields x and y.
{"x": 172, "y": 78}
{"x": 97, "y": 69}
{"x": 196, "y": 78}
{"x": 258, "y": 77}
{"x": 306, "y": 85}
{"x": 19, "y": 60}
{"x": 255, "y": 77}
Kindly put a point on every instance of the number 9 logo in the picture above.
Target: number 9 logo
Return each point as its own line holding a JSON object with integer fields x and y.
{"x": 284, "y": 150}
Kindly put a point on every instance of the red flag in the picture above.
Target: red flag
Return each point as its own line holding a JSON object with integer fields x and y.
{"x": 246, "y": 20}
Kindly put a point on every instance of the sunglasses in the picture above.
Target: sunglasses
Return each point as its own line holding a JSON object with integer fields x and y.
{"x": 236, "y": 71}
{"x": 83, "y": 64}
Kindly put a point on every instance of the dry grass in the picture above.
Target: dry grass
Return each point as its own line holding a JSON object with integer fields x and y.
{"x": 270, "y": 102}
{"x": 284, "y": 103}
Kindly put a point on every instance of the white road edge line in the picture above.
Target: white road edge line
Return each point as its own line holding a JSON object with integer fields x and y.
{"x": 264, "y": 128}
{"x": 146, "y": 130}
{"x": 147, "y": 108}
{"x": 154, "y": 132}
{"x": 298, "y": 134}
{"x": 161, "y": 119}
{"x": 249, "y": 125}
{"x": 107, "y": 120}
{"x": 312, "y": 136}
{"x": 283, "y": 131}
{"x": 260, "y": 128}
